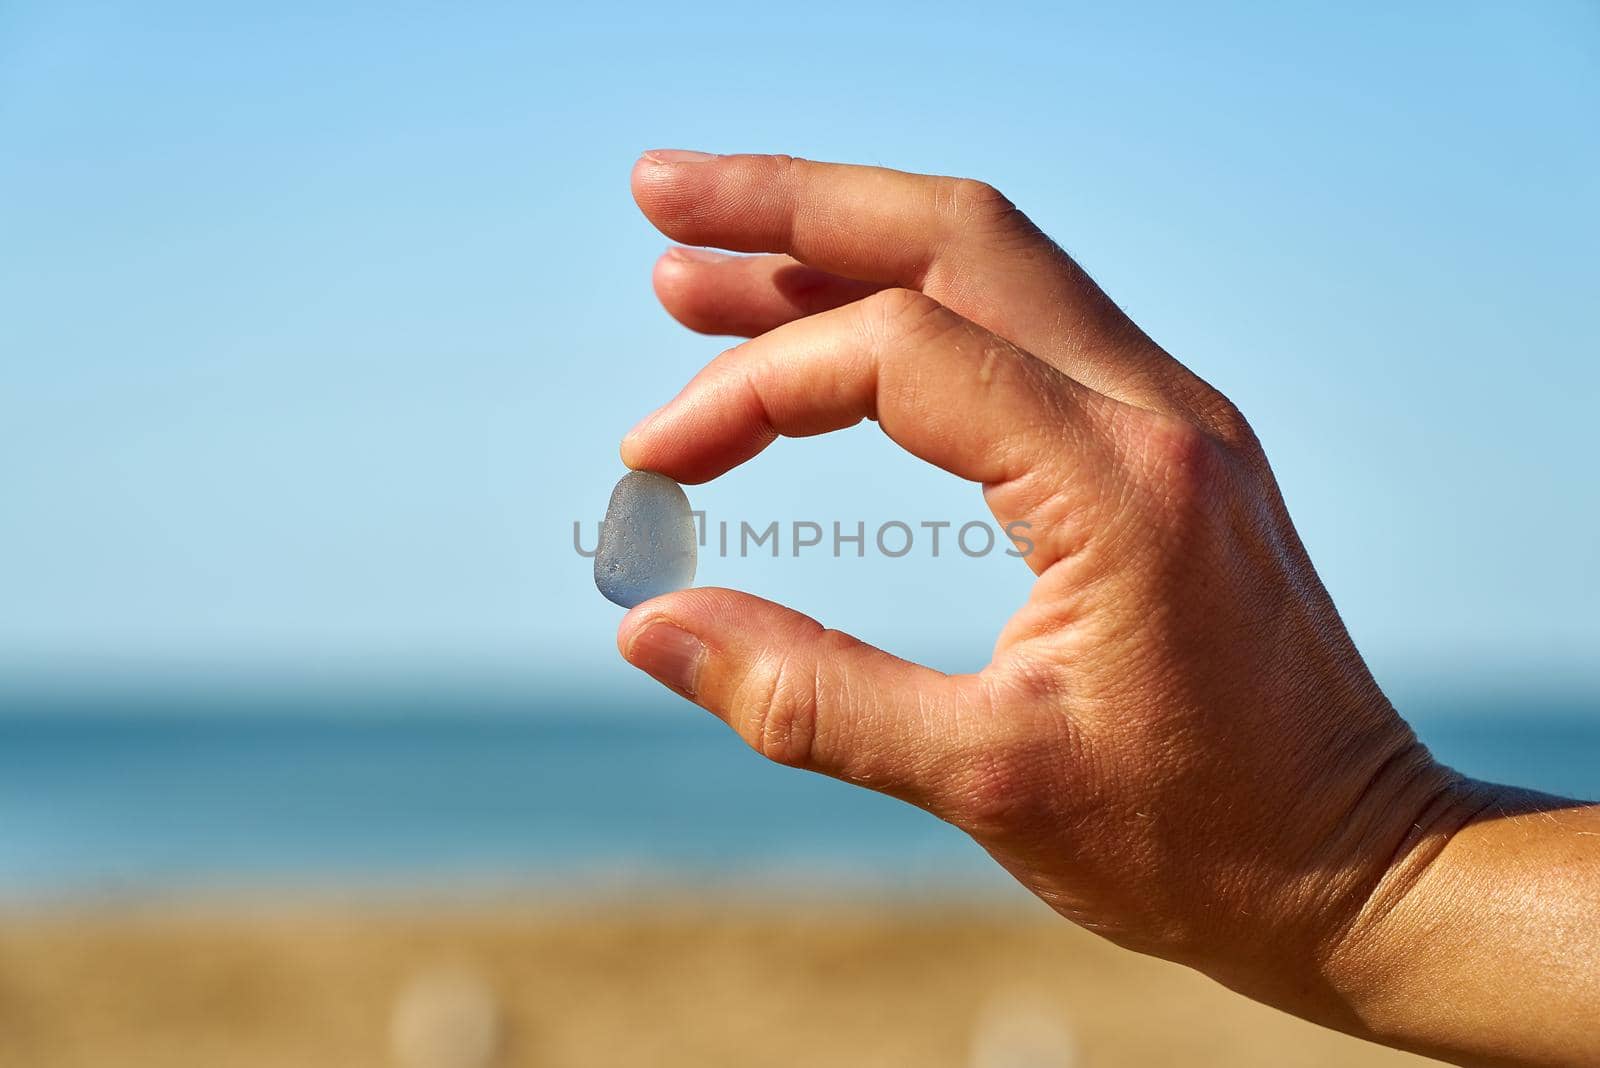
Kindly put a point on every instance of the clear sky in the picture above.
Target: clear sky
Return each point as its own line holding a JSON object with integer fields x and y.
{"x": 318, "y": 329}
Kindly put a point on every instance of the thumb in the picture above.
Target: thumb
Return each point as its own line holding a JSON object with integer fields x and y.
{"x": 803, "y": 695}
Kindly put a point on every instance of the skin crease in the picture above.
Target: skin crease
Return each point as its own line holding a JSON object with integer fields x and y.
{"x": 1176, "y": 744}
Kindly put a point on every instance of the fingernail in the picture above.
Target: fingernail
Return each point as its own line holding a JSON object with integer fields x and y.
{"x": 669, "y": 655}
{"x": 697, "y": 255}
{"x": 678, "y": 155}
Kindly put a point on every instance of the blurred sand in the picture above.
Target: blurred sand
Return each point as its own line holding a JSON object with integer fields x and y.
{"x": 669, "y": 983}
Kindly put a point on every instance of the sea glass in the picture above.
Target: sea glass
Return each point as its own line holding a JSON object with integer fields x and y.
{"x": 647, "y": 540}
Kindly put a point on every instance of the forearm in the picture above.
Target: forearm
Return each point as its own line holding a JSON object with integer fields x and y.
{"x": 1483, "y": 948}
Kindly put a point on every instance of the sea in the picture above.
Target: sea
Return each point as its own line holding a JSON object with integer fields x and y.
{"x": 114, "y": 795}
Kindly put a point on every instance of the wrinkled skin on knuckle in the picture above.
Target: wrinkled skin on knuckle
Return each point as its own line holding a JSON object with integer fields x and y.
{"x": 897, "y": 325}
{"x": 970, "y": 219}
{"x": 971, "y": 205}
{"x": 1006, "y": 787}
{"x": 1219, "y": 559}
{"x": 1188, "y": 521}
{"x": 1062, "y": 482}
{"x": 1159, "y": 505}
{"x": 1229, "y": 425}
{"x": 896, "y": 317}
{"x": 966, "y": 199}
{"x": 1001, "y": 776}
{"x": 779, "y": 169}
{"x": 775, "y": 709}
{"x": 1178, "y": 465}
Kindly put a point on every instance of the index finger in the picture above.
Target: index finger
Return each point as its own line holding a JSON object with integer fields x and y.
{"x": 942, "y": 388}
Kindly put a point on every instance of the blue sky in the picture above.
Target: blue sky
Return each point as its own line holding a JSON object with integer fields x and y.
{"x": 318, "y": 329}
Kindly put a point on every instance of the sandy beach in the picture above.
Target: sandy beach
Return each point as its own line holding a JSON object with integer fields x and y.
{"x": 675, "y": 982}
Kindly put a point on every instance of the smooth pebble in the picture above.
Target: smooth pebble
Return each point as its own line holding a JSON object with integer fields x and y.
{"x": 647, "y": 540}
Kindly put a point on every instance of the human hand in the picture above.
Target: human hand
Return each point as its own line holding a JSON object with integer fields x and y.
{"x": 1176, "y": 744}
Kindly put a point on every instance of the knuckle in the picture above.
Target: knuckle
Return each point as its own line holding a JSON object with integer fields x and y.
{"x": 992, "y": 790}
{"x": 1000, "y": 779}
{"x": 968, "y": 200}
{"x": 1230, "y": 426}
{"x": 777, "y": 710}
{"x": 783, "y": 167}
{"x": 1003, "y": 789}
{"x": 1181, "y": 464}
{"x": 896, "y": 303}
{"x": 901, "y": 314}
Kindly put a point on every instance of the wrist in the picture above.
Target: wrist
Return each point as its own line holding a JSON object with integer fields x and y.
{"x": 1481, "y": 933}
{"x": 1381, "y": 942}
{"x": 1338, "y": 934}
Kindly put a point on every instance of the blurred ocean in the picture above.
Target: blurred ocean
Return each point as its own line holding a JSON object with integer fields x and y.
{"x": 110, "y": 795}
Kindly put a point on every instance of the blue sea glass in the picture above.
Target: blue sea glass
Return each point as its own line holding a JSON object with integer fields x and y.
{"x": 647, "y": 540}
